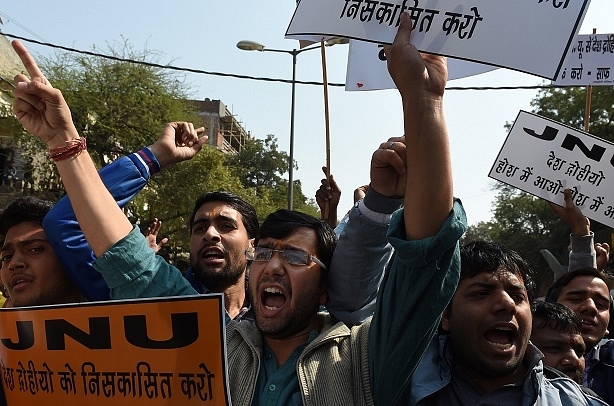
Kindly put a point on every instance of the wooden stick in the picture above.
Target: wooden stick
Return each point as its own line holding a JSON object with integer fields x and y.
{"x": 587, "y": 112}
{"x": 326, "y": 118}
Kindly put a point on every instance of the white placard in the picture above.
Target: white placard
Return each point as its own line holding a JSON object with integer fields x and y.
{"x": 367, "y": 69}
{"x": 543, "y": 157}
{"x": 590, "y": 61}
{"x": 530, "y": 36}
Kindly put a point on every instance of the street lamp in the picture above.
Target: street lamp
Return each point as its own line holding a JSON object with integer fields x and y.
{"x": 255, "y": 46}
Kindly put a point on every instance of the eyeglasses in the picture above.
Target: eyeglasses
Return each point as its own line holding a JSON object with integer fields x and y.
{"x": 292, "y": 257}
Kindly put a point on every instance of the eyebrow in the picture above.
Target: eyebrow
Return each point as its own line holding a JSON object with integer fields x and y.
{"x": 490, "y": 285}
{"x": 9, "y": 245}
{"x": 215, "y": 218}
{"x": 282, "y": 247}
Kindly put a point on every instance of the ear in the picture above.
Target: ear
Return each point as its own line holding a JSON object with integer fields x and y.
{"x": 249, "y": 250}
{"x": 445, "y": 320}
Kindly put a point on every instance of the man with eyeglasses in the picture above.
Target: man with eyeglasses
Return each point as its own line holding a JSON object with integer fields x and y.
{"x": 292, "y": 354}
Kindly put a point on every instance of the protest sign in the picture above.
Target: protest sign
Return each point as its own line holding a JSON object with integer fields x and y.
{"x": 146, "y": 352}
{"x": 543, "y": 157}
{"x": 367, "y": 70}
{"x": 589, "y": 62}
{"x": 530, "y": 36}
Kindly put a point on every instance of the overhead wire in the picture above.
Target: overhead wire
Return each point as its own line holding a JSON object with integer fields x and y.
{"x": 248, "y": 77}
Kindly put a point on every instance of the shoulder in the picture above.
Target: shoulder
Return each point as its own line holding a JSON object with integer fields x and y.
{"x": 568, "y": 392}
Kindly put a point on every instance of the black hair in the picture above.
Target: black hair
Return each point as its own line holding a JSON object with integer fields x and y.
{"x": 482, "y": 256}
{"x": 554, "y": 291}
{"x": 282, "y": 223}
{"x": 248, "y": 213}
{"x": 556, "y": 316}
{"x": 26, "y": 208}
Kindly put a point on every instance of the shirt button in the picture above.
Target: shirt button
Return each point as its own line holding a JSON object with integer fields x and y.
{"x": 272, "y": 388}
{"x": 268, "y": 356}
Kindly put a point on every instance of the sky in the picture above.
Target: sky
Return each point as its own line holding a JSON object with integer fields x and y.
{"x": 202, "y": 35}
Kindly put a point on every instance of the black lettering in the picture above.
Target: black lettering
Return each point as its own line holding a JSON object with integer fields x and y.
{"x": 184, "y": 327}
{"x": 571, "y": 141}
{"x": 99, "y": 337}
{"x": 548, "y": 135}
{"x": 25, "y": 334}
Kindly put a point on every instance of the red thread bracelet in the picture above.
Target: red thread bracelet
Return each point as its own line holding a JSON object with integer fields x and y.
{"x": 73, "y": 148}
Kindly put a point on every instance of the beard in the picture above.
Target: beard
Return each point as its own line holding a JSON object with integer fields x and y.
{"x": 290, "y": 323}
{"x": 218, "y": 281}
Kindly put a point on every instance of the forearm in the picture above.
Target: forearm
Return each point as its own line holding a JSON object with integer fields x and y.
{"x": 429, "y": 188}
{"x": 102, "y": 221}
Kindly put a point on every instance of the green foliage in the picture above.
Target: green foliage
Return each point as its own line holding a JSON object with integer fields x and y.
{"x": 261, "y": 166}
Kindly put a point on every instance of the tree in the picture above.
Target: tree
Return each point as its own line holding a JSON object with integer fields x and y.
{"x": 261, "y": 166}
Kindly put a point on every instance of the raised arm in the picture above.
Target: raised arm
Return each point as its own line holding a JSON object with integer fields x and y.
{"x": 363, "y": 251}
{"x": 582, "y": 253}
{"x": 42, "y": 111}
{"x": 424, "y": 271}
{"x": 421, "y": 80}
{"x": 328, "y": 194}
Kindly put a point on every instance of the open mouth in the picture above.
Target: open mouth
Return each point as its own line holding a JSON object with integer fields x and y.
{"x": 212, "y": 254}
{"x": 272, "y": 298}
{"x": 501, "y": 337}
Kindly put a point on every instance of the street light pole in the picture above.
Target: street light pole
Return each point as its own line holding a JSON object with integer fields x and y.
{"x": 291, "y": 158}
{"x": 255, "y": 46}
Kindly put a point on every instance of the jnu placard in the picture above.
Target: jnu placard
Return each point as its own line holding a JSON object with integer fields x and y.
{"x": 543, "y": 157}
{"x": 146, "y": 352}
{"x": 530, "y": 36}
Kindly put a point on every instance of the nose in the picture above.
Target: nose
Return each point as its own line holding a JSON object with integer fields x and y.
{"x": 212, "y": 234}
{"x": 504, "y": 302}
{"x": 570, "y": 359}
{"x": 16, "y": 262}
{"x": 275, "y": 266}
{"x": 588, "y": 307}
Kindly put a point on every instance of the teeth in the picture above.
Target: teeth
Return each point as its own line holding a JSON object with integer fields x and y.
{"x": 272, "y": 290}
{"x": 500, "y": 345}
{"x": 503, "y": 328}
{"x": 271, "y": 308}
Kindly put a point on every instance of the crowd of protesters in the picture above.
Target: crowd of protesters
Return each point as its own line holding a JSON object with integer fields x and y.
{"x": 412, "y": 317}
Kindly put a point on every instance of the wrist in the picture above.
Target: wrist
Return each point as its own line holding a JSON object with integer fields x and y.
{"x": 380, "y": 203}
{"x": 62, "y": 138}
{"x": 159, "y": 153}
